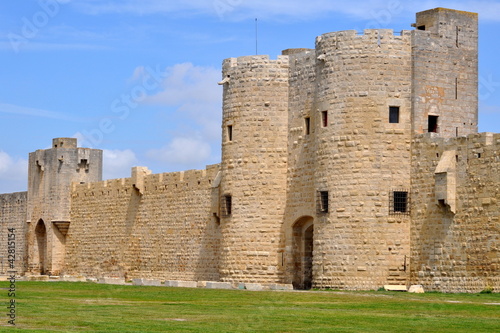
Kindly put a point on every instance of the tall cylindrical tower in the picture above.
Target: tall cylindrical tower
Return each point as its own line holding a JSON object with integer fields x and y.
{"x": 362, "y": 130}
{"x": 254, "y": 164}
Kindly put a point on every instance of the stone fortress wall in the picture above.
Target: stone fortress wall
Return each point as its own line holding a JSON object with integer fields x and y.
{"x": 13, "y": 207}
{"x": 455, "y": 232}
{"x": 352, "y": 165}
{"x": 159, "y": 226}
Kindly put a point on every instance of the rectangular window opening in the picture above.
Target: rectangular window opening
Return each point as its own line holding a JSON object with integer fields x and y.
{"x": 421, "y": 27}
{"x": 399, "y": 202}
{"x": 324, "y": 118}
{"x": 432, "y": 125}
{"x": 323, "y": 202}
{"x": 393, "y": 114}
{"x": 230, "y": 133}
{"x": 227, "y": 205}
{"x": 83, "y": 165}
{"x": 307, "y": 124}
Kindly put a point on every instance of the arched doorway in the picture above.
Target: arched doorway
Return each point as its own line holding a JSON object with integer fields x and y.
{"x": 303, "y": 247}
{"x": 40, "y": 253}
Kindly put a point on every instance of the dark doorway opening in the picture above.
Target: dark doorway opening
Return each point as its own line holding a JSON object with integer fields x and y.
{"x": 433, "y": 124}
{"x": 303, "y": 253}
{"x": 40, "y": 248}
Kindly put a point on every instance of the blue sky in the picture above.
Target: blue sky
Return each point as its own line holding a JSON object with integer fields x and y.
{"x": 138, "y": 79}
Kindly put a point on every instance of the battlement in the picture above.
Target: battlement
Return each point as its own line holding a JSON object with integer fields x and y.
{"x": 448, "y": 10}
{"x": 181, "y": 180}
{"x": 252, "y": 60}
{"x": 470, "y": 142}
{"x": 367, "y": 34}
{"x": 64, "y": 143}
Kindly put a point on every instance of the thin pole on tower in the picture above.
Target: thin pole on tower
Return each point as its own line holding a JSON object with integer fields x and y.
{"x": 256, "y": 38}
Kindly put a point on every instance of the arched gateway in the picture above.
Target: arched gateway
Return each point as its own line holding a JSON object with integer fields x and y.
{"x": 40, "y": 250}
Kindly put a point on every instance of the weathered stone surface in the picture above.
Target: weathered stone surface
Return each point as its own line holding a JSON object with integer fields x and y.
{"x": 37, "y": 278}
{"x": 73, "y": 279}
{"x": 277, "y": 286}
{"x": 201, "y": 284}
{"x": 254, "y": 286}
{"x": 218, "y": 285}
{"x": 416, "y": 289}
{"x": 113, "y": 280}
{"x": 146, "y": 282}
{"x": 392, "y": 287}
{"x": 181, "y": 284}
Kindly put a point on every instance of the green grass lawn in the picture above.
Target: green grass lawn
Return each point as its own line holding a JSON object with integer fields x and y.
{"x": 87, "y": 307}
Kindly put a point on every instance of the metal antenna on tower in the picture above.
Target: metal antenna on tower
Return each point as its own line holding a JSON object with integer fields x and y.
{"x": 256, "y": 38}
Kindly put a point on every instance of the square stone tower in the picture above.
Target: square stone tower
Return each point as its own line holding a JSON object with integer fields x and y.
{"x": 50, "y": 174}
{"x": 445, "y": 72}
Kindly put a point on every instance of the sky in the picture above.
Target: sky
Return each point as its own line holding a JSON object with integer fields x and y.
{"x": 138, "y": 78}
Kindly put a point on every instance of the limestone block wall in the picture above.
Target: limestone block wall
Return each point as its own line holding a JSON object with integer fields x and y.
{"x": 445, "y": 72}
{"x": 300, "y": 199}
{"x": 362, "y": 158}
{"x": 301, "y": 145}
{"x": 13, "y": 215}
{"x": 254, "y": 167}
{"x": 165, "y": 230}
{"x": 455, "y": 235}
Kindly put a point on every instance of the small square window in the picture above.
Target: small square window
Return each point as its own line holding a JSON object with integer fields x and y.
{"x": 393, "y": 114}
{"x": 323, "y": 201}
{"x": 324, "y": 118}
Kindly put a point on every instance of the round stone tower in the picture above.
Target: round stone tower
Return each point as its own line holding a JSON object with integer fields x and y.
{"x": 254, "y": 165}
{"x": 360, "y": 126}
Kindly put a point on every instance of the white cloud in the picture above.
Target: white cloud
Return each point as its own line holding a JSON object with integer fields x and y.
{"x": 13, "y": 173}
{"x": 182, "y": 152}
{"x": 193, "y": 90}
{"x": 117, "y": 163}
{"x": 26, "y": 111}
{"x": 194, "y": 93}
{"x": 185, "y": 83}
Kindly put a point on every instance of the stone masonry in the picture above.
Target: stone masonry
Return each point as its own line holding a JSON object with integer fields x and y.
{"x": 353, "y": 165}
